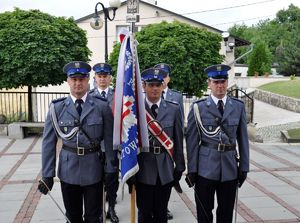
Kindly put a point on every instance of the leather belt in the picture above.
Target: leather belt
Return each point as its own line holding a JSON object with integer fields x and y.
{"x": 81, "y": 151}
{"x": 220, "y": 147}
{"x": 157, "y": 150}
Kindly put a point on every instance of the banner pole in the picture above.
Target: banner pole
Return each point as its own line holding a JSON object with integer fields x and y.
{"x": 132, "y": 205}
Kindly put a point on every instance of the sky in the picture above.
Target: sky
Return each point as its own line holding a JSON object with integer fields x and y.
{"x": 216, "y": 13}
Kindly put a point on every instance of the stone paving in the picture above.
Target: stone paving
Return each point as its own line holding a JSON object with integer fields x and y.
{"x": 271, "y": 120}
{"x": 271, "y": 192}
{"x": 271, "y": 134}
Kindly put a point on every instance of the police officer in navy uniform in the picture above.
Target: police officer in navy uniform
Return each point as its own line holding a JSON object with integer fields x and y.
{"x": 82, "y": 122}
{"x": 217, "y": 148}
{"x": 103, "y": 77}
{"x": 170, "y": 95}
{"x": 157, "y": 171}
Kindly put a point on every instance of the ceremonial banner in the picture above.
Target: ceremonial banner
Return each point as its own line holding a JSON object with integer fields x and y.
{"x": 130, "y": 126}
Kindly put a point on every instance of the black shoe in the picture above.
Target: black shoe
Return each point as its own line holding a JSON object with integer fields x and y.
{"x": 112, "y": 215}
{"x": 169, "y": 215}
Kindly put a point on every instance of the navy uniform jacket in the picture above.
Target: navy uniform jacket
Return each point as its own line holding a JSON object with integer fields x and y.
{"x": 109, "y": 98}
{"x": 97, "y": 121}
{"x": 210, "y": 163}
{"x": 175, "y": 96}
{"x": 151, "y": 165}
{"x": 109, "y": 95}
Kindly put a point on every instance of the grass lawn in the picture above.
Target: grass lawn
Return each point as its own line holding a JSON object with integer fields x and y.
{"x": 289, "y": 88}
{"x": 294, "y": 133}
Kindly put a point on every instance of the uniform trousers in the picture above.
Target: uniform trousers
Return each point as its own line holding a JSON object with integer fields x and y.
{"x": 75, "y": 196}
{"x": 111, "y": 189}
{"x": 152, "y": 202}
{"x": 205, "y": 190}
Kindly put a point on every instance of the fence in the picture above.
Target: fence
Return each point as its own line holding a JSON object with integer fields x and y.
{"x": 13, "y": 105}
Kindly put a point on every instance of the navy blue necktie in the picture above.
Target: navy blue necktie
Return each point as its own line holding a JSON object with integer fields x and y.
{"x": 221, "y": 107}
{"x": 103, "y": 94}
{"x": 154, "y": 107}
{"x": 78, "y": 106}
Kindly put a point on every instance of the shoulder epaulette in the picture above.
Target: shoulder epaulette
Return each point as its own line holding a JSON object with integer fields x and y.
{"x": 58, "y": 100}
{"x": 176, "y": 91}
{"x": 99, "y": 97}
{"x": 172, "y": 102}
{"x": 201, "y": 99}
{"x": 92, "y": 91}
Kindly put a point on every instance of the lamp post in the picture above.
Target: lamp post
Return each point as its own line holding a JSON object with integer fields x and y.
{"x": 97, "y": 22}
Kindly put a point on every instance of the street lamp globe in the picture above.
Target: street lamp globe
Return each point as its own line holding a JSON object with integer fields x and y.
{"x": 225, "y": 36}
{"x": 96, "y": 22}
{"x": 114, "y": 3}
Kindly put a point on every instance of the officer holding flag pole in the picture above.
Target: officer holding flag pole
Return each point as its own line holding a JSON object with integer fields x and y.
{"x": 162, "y": 165}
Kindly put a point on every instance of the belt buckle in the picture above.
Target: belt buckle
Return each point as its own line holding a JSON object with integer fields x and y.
{"x": 156, "y": 150}
{"x": 221, "y": 147}
{"x": 80, "y": 151}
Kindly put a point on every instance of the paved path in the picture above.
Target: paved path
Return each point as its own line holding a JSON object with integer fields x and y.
{"x": 268, "y": 115}
{"x": 271, "y": 120}
{"x": 270, "y": 194}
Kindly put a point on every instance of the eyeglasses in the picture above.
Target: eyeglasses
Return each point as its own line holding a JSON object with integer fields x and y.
{"x": 155, "y": 84}
{"x": 218, "y": 82}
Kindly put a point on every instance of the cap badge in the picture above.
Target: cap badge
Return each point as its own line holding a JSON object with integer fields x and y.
{"x": 77, "y": 65}
{"x": 156, "y": 72}
{"x": 219, "y": 68}
{"x": 102, "y": 65}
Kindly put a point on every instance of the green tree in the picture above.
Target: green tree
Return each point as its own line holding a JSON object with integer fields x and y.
{"x": 260, "y": 60}
{"x": 186, "y": 48}
{"x": 288, "y": 55}
{"x": 35, "y": 46}
{"x": 281, "y": 36}
{"x": 287, "y": 52}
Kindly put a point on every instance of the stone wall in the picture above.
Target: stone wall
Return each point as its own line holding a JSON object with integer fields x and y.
{"x": 277, "y": 100}
{"x": 254, "y": 82}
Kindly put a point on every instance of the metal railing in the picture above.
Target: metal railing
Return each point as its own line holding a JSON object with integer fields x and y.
{"x": 14, "y": 105}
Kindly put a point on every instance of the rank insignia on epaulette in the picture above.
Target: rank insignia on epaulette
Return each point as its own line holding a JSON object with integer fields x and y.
{"x": 65, "y": 129}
